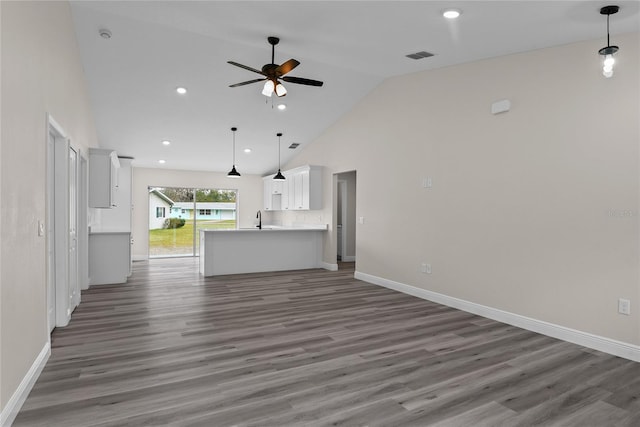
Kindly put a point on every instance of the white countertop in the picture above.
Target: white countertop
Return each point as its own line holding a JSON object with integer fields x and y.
{"x": 98, "y": 232}
{"x": 319, "y": 227}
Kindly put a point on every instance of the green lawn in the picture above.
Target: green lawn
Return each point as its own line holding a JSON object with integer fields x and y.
{"x": 179, "y": 241}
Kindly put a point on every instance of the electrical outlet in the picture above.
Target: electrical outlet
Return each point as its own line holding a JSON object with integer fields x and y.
{"x": 624, "y": 306}
{"x": 361, "y": 220}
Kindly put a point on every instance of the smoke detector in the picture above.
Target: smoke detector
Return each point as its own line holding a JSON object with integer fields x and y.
{"x": 104, "y": 33}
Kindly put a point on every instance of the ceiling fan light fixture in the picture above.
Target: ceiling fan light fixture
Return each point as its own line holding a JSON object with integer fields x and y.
{"x": 280, "y": 90}
{"x": 608, "y": 51}
{"x": 273, "y": 72}
{"x": 233, "y": 173}
{"x": 268, "y": 88}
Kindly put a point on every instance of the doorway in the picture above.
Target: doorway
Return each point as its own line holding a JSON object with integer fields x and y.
{"x": 345, "y": 214}
{"x": 63, "y": 212}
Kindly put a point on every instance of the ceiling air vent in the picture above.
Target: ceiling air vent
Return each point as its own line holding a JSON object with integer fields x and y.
{"x": 294, "y": 146}
{"x": 419, "y": 55}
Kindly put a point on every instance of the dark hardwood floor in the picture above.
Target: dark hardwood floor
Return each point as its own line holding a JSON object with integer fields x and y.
{"x": 310, "y": 348}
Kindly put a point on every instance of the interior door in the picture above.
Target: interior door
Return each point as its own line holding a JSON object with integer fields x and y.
{"x": 51, "y": 263}
{"x": 74, "y": 287}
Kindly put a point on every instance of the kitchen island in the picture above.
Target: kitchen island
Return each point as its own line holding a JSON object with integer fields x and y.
{"x": 256, "y": 250}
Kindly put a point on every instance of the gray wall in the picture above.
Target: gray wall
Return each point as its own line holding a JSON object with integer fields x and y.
{"x": 41, "y": 73}
{"x": 534, "y": 211}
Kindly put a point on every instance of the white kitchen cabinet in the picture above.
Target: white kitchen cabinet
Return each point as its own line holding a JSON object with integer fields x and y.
{"x": 103, "y": 177}
{"x": 273, "y": 193}
{"x": 267, "y": 184}
{"x": 307, "y": 188}
{"x": 118, "y": 218}
{"x": 109, "y": 257}
{"x": 302, "y": 190}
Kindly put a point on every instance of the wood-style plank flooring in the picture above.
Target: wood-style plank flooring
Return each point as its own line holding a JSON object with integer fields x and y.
{"x": 310, "y": 348}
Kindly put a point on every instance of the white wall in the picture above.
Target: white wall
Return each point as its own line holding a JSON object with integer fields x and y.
{"x": 534, "y": 211}
{"x": 41, "y": 73}
{"x": 249, "y": 189}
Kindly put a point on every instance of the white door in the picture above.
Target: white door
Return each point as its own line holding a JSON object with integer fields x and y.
{"x": 51, "y": 263}
{"x": 74, "y": 287}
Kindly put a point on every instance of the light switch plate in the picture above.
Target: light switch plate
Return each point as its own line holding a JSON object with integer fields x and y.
{"x": 40, "y": 228}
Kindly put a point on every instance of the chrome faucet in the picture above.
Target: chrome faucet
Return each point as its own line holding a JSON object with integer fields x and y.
{"x": 259, "y": 216}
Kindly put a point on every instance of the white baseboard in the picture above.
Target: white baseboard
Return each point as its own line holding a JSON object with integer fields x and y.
{"x": 585, "y": 339}
{"x": 10, "y": 411}
{"x": 349, "y": 258}
{"x": 328, "y": 266}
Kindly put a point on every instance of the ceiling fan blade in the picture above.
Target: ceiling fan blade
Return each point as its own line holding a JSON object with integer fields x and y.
{"x": 286, "y": 67}
{"x": 301, "y": 81}
{"x": 247, "y": 82}
{"x": 246, "y": 67}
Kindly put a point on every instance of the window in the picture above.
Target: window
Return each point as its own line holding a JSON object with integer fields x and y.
{"x": 190, "y": 205}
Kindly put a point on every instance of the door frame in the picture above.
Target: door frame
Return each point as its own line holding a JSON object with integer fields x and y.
{"x": 342, "y": 203}
{"x": 59, "y": 295}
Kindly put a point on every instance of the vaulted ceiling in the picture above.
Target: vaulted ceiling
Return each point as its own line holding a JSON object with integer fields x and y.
{"x": 352, "y": 46}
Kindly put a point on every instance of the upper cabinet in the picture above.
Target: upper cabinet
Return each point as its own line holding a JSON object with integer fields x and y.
{"x": 302, "y": 190}
{"x": 118, "y": 218}
{"x": 103, "y": 178}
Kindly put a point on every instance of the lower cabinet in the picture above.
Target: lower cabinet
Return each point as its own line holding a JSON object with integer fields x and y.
{"x": 109, "y": 258}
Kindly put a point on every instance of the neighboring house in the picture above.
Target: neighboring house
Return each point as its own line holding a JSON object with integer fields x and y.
{"x": 159, "y": 208}
{"x": 204, "y": 210}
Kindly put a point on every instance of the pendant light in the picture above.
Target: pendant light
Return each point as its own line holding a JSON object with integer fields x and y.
{"x": 608, "y": 51}
{"x": 234, "y": 173}
{"x": 279, "y": 176}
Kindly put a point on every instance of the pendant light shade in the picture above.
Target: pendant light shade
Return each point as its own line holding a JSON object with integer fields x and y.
{"x": 233, "y": 173}
{"x": 268, "y": 88}
{"x": 608, "y": 51}
{"x": 279, "y": 176}
{"x": 280, "y": 90}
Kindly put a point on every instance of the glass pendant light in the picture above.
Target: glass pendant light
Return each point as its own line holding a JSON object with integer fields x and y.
{"x": 279, "y": 176}
{"x": 608, "y": 51}
{"x": 233, "y": 173}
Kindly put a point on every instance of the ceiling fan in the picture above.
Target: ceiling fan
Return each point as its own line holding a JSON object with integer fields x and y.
{"x": 273, "y": 72}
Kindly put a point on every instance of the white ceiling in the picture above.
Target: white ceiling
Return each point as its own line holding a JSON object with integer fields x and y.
{"x": 350, "y": 45}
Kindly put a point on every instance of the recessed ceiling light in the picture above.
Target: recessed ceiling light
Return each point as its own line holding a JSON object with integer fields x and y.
{"x": 162, "y": 162}
{"x": 282, "y": 107}
{"x": 451, "y": 13}
{"x": 166, "y": 142}
{"x": 247, "y": 150}
{"x": 181, "y": 90}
